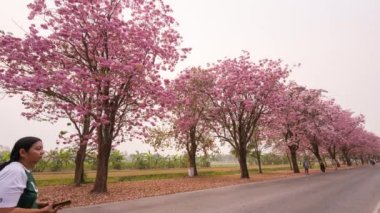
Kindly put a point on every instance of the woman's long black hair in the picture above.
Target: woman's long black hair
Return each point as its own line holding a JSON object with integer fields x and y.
{"x": 23, "y": 143}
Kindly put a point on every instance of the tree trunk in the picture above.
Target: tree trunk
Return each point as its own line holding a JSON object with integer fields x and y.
{"x": 192, "y": 150}
{"x": 337, "y": 163}
{"x": 192, "y": 163}
{"x": 315, "y": 150}
{"x": 290, "y": 162}
{"x": 293, "y": 152}
{"x": 362, "y": 159}
{"x": 293, "y": 155}
{"x": 258, "y": 153}
{"x": 324, "y": 161}
{"x": 242, "y": 157}
{"x": 104, "y": 151}
{"x": 79, "y": 164}
{"x": 255, "y": 143}
{"x": 332, "y": 153}
{"x": 81, "y": 153}
{"x": 346, "y": 157}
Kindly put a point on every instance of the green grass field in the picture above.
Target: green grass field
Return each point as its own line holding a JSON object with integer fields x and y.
{"x": 63, "y": 178}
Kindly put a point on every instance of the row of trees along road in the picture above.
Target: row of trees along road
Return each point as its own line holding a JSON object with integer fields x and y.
{"x": 98, "y": 63}
{"x": 251, "y": 106}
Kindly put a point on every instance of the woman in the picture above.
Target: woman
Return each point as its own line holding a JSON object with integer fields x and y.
{"x": 18, "y": 192}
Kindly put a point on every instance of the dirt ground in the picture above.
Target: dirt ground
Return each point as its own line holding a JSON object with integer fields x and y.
{"x": 81, "y": 196}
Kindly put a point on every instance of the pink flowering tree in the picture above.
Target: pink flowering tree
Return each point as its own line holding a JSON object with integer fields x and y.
{"x": 290, "y": 119}
{"x": 243, "y": 93}
{"x": 315, "y": 122}
{"x": 370, "y": 150}
{"x": 186, "y": 127}
{"x": 343, "y": 124}
{"x": 110, "y": 52}
{"x": 188, "y": 109}
{"x": 337, "y": 118}
{"x": 366, "y": 145}
{"x": 354, "y": 141}
{"x": 264, "y": 137}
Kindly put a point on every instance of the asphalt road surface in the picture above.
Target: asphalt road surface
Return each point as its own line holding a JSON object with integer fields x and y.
{"x": 347, "y": 191}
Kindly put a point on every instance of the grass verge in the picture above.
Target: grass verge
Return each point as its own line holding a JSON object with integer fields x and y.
{"x": 66, "y": 178}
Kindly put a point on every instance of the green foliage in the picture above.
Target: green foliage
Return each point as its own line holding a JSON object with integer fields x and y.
{"x": 273, "y": 159}
{"x": 56, "y": 160}
{"x": 61, "y": 159}
{"x": 64, "y": 160}
{"x": 156, "y": 161}
{"x": 4, "y": 156}
{"x": 117, "y": 160}
{"x": 90, "y": 161}
{"x": 266, "y": 159}
{"x": 42, "y": 165}
{"x": 204, "y": 161}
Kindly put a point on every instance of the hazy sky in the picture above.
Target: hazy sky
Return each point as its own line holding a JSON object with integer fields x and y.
{"x": 337, "y": 42}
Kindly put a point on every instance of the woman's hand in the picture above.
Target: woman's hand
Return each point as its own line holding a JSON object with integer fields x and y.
{"x": 49, "y": 208}
{"x": 42, "y": 204}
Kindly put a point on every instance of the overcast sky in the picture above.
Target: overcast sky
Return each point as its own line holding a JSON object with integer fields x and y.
{"x": 337, "y": 42}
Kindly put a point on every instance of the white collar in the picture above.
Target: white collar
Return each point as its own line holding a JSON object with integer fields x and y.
{"x": 22, "y": 166}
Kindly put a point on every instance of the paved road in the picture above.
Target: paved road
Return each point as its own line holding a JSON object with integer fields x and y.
{"x": 348, "y": 191}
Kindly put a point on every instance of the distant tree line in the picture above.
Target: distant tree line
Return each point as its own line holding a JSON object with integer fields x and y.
{"x": 64, "y": 160}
